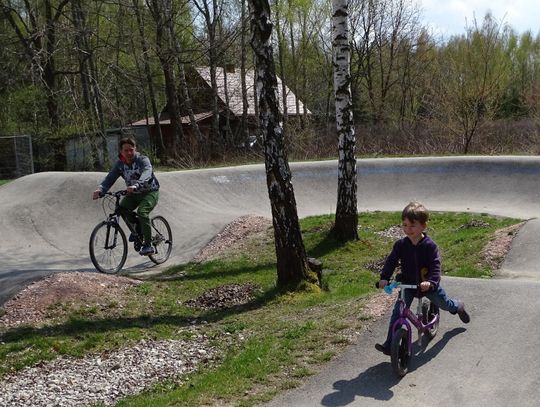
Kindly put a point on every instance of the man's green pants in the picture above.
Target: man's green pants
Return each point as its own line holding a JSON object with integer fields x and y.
{"x": 144, "y": 203}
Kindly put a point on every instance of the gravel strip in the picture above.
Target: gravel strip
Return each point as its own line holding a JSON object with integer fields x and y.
{"x": 104, "y": 378}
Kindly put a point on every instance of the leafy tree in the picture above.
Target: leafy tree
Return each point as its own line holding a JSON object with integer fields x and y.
{"x": 470, "y": 79}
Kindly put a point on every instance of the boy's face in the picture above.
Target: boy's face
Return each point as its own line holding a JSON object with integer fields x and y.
{"x": 128, "y": 152}
{"x": 413, "y": 229}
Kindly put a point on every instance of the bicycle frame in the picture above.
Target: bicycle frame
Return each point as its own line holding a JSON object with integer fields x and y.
{"x": 115, "y": 216}
{"x": 406, "y": 316}
{"x": 108, "y": 243}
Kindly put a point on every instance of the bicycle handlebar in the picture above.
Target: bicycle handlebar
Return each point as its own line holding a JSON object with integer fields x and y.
{"x": 394, "y": 284}
{"x": 117, "y": 193}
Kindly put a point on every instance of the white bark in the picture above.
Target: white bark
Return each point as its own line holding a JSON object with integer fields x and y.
{"x": 346, "y": 208}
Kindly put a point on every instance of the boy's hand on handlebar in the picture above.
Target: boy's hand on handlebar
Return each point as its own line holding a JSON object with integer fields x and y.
{"x": 382, "y": 283}
{"x": 425, "y": 286}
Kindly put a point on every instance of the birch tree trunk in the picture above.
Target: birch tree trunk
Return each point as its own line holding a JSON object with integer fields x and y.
{"x": 292, "y": 266}
{"x": 346, "y": 222}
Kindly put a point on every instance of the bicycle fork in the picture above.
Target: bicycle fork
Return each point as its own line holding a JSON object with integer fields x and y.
{"x": 113, "y": 220}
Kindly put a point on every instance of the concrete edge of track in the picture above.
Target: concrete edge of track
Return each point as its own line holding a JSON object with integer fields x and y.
{"x": 48, "y": 216}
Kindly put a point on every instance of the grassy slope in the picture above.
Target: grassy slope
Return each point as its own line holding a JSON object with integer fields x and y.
{"x": 286, "y": 336}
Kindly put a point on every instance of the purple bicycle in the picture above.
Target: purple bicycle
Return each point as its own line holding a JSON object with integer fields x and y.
{"x": 426, "y": 321}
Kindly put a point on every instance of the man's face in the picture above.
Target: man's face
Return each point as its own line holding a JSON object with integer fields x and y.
{"x": 128, "y": 152}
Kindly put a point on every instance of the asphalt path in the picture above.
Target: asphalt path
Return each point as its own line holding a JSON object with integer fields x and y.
{"x": 492, "y": 361}
{"x": 46, "y": 220}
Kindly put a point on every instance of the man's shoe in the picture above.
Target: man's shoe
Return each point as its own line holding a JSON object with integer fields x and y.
{"x": 132, "y": 237}
{"x": 465, "y": 318}
{"x": 146, "y": 250}
{"x": 383, "y": 349}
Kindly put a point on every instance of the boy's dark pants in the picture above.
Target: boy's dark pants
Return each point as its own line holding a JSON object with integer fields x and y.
{"x": 144, "y": 203}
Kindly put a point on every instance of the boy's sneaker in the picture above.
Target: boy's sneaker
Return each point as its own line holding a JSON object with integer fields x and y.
{"x": 383, "y": 349}
{"x": 463, "y": 315}
{"x": 146, "y": 250}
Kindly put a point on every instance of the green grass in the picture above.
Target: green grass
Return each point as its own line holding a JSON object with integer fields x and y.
{"x": 4, "y": 181}
{"x": 286, "y": 336}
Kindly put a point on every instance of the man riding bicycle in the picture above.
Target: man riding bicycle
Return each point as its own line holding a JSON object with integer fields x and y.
{"x": 142, "y": 189}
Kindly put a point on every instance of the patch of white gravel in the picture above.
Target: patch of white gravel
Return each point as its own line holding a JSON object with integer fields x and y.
{"x": 105, "y": 378}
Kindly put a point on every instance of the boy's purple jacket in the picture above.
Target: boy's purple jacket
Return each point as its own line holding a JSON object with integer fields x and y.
{"x": 418, "y": 263}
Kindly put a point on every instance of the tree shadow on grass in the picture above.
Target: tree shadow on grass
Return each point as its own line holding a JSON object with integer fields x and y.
{"x": 327, "y": 245}
{"x": 377, "y": 381}
{"x": 210, "y": 270}
{"x": 330, "y": 244}
{"x": 77, "y": 327}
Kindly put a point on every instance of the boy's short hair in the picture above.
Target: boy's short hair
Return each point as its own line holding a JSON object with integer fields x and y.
{"x": 127, "y": 140}
{"x": 415, "y": 211}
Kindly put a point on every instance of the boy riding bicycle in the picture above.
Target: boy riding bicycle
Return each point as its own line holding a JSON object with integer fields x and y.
{"x": 142, "y": 189}
{"x": 420, "y": 265}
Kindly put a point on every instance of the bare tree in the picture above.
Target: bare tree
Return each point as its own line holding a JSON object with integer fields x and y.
{"x": 346, "y": 223}
{"x": 292, "y": 265}
{"x": 149, "y": 79}
{"x": 384, "y": 37}
{"x": 212, "y": 13}
{"x": 243, "y": 60}
{"x": 161, "y": 11}
{"x": 38, "y": 37}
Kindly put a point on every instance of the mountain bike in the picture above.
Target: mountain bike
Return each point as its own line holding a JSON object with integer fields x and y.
{"x": 109, "y": 245}
{"x": 426, "y": 320}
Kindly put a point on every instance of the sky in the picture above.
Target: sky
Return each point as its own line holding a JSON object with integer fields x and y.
{"x": 449, "y": 17}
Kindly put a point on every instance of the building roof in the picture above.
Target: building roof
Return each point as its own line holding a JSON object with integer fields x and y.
{"x": 185, "y": 119}
{"x": 234, "y": 90}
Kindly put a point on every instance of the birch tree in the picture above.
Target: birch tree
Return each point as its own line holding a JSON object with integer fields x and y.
{"x": 292, "y": 265}
{"x": 346, "y": 222}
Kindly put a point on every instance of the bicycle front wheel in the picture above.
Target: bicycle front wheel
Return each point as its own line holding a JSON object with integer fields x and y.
{"x": 399, "y": 352}
{"x": 161, "y": 240}
{"x": 429, "y": 312}
{"x": 108, "y": 247}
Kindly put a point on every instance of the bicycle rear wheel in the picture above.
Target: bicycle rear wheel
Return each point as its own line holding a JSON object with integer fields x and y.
{"x": 108, "y": 247}
{"x": 399, "y": 352}
{"x": 161, "y": 240}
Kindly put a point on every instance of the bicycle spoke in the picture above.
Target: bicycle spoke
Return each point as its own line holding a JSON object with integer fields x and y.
{"x": 108, "y": 248}
{"x": 161, "y": 240}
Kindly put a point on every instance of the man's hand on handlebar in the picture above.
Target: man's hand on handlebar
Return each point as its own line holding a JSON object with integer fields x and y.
{"x": 131, "y": 189}
{"x": 97, "y": 194}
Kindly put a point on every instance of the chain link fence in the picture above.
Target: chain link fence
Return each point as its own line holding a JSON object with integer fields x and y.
{"x": 16, "y": 158}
